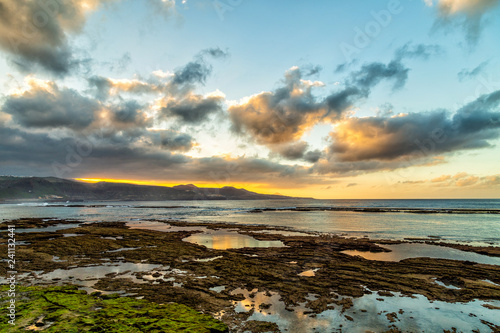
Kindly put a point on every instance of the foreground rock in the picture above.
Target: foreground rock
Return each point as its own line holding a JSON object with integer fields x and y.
{"x": 67, "y": 309}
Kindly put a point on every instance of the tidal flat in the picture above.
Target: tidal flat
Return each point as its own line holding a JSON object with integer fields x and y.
{"x": 242, "y": 278}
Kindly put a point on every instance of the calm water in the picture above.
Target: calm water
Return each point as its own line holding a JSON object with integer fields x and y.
{"x": 478, "y": 229}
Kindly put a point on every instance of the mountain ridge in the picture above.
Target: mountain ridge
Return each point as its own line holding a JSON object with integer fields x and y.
{"x": 58, "y": 189}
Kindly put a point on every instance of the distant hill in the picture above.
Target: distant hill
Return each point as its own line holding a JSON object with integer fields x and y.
{"x": 57, "y": 189}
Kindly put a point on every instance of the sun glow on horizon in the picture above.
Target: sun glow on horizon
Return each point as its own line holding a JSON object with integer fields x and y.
{"x": 259, "y": 188}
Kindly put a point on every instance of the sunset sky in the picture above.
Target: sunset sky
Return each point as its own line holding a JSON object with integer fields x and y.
{"x": 325, "y": 99}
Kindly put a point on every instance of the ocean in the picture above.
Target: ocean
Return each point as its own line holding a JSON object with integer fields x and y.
{"x": 437, "y": 223}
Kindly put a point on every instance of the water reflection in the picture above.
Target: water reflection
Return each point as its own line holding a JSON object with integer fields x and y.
{"x": 161, "y": 226}
{"x": 223, "y": 240}
{"x": 311, "y": 272}
{"x": 370, "y": 313}
{"x": 415, "y": 250}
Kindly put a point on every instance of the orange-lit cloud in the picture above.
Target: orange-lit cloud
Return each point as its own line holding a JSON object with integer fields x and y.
{"x": 470, "y": 7}
{"x": 464, "y": 179}
{"x": 281, "y": 116}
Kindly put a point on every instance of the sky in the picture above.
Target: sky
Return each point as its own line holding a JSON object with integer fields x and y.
{"x": 324, "y": 99}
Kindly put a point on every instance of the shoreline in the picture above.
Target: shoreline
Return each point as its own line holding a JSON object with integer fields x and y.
{"x": 269, "y": 269}
{"x": 413, "y": 210}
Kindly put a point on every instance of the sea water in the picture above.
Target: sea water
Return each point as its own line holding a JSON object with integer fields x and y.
{"x": 474, "y": 229}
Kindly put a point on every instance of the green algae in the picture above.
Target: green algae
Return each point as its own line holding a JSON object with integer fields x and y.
{"x": 67, "y": 309}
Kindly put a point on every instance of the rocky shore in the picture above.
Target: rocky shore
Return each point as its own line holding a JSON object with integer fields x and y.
{"x": 208, "y": 280}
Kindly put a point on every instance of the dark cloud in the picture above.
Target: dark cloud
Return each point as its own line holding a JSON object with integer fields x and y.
{"x": 371, "y": 74}
{"x": 59, "y": 61}
{"x": 100, "y": 86}
{"x": 34, "y": 33}
{"x": 214, "y": 52}
{"x": 333, "y": 167}
{"x": 198, "y": 70}
{"x": 422, "y": 51}
{"x": 173, "y": 141}
{"x": 340, "y": 101}
{"x": 472, "y": 73}
{"x": 242, "y": 169}
{"x": 296, "y": 151}
{"x": 129, "y": 113}
{"x": 291, "y": 151}
{"x": 311, "y": 70}
{"x": 39, "y": 153}
{"x": 193, "y": 72}
{"x": 95, "y": 157}
{"x": 313, "y": 156}
{"x": 279, "y": 116}
{"x": 51, "y": 107}
{"x": 193, "y": 109}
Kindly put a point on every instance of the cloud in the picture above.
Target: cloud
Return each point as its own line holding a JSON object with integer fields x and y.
{"x": 103, "y": 88}
{"x": 173, "y": 141}
{"x": 214, "y": 52}
{"x": 44, "y": 105}
{"x": 371, "y": 74}
{"x": 383, "y": 143}
{"x": 35, "y": 33}
{"x": 93, "y": 156}
{"x": 296, "y": 151}
{"x": 312, "y": 70}
{"x": 472, "y": 73}
{"x": 422, "y": 51}
{"x": 193, "y": 72}
{"x": 380, "y": 138}
{"x": 177, "y": 99}
{"x": 467, "y": 14}
{"x": 313, "y": 156}
{"x": 40, "y": 153}
{"x": 279, "y": 116}
{"x": 192, "y": 109}
{"x": 292, "y": 151}
{"x": 198, "y": 70}
{"x": 128, "y": 113}
{"x": 441, "y": 179}
{"x": 285, "y": 114}
{"x": 464, "y": 179}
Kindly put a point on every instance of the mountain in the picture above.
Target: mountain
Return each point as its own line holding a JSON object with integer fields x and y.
{"x": 58, "y": 189}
